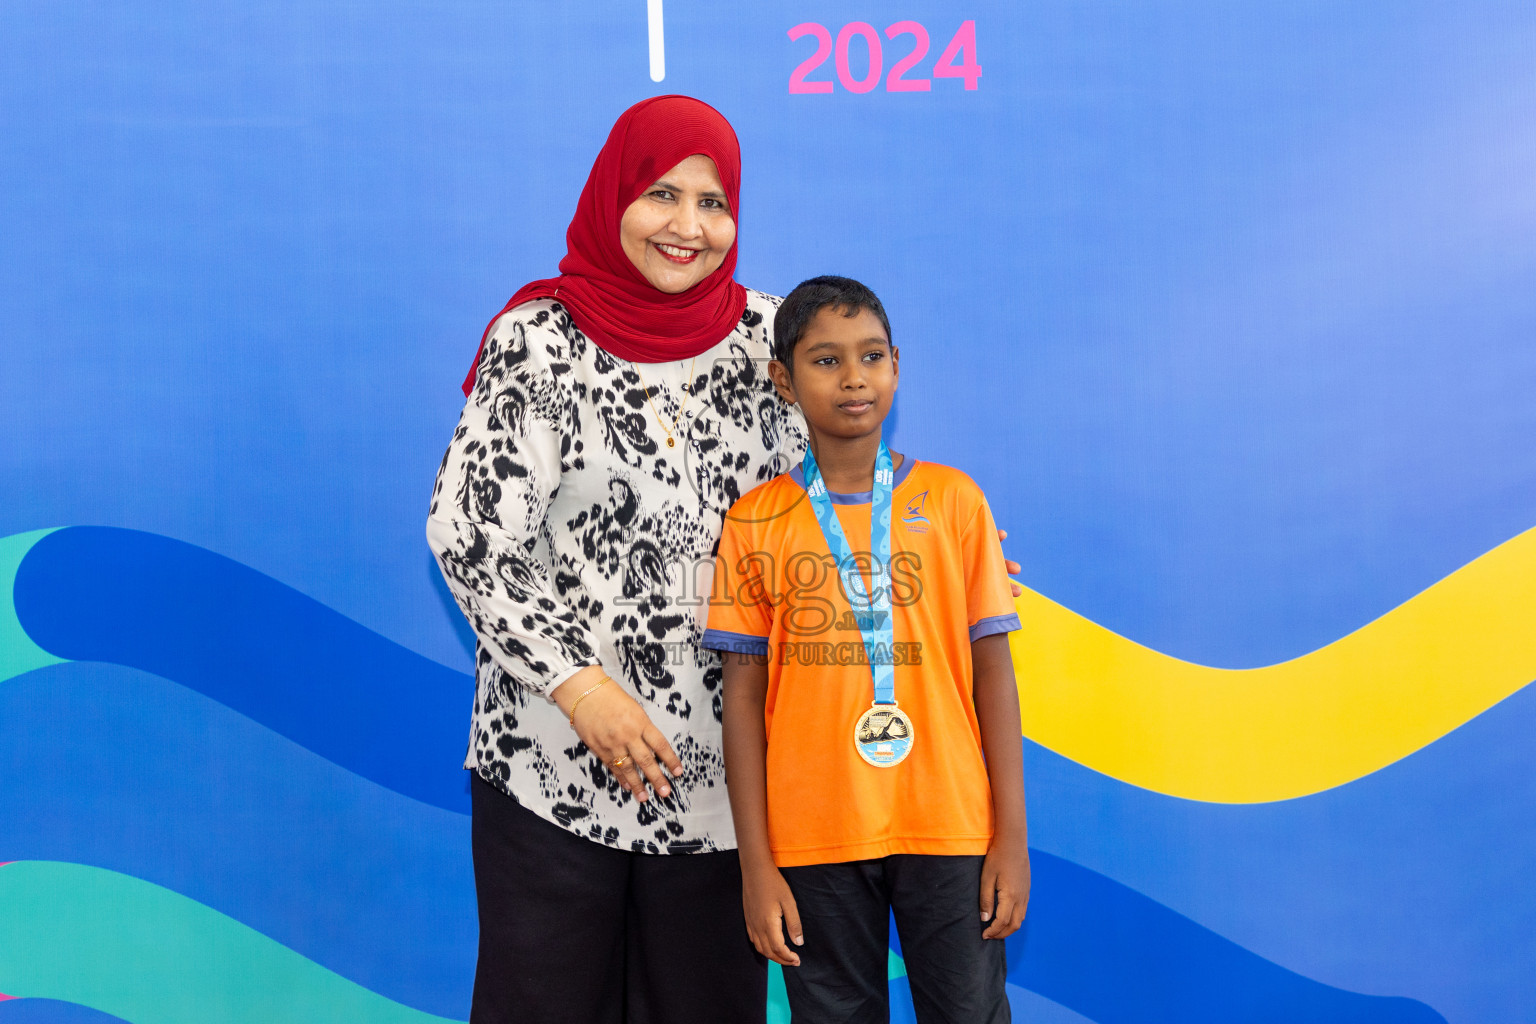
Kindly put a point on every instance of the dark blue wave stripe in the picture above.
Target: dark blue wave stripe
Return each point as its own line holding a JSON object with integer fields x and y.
{"x": 255, "y": 645}
{"x": 1118, "y": 957}
{"x": 119, "y": 769}
{"x": 52, "y": 1011}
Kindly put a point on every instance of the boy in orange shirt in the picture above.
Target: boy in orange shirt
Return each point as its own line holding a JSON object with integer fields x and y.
{"x": 871, "y": 720}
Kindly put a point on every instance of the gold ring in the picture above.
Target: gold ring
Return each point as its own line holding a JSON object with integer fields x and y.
{"x": 620, "y": 761}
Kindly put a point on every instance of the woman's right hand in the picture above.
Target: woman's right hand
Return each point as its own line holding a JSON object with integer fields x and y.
{"x": 614, "y": 726}
{"x": 770, "y": 909}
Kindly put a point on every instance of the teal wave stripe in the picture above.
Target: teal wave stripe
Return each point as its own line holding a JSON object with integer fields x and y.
{"x": 148, "y": 955}
{"x": 778, "y": 998}
{"x": 18, "y": 653}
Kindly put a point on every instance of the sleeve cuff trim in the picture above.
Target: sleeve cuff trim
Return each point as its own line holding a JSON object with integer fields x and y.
{"x": 995, "y": 624}
{"x": 736, "y": 643}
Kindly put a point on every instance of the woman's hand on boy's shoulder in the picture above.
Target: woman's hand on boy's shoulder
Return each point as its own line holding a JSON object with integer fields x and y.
{"x": 1013, "y": 568}
{"x": 770, "y": 910}
{"x": 1004, "y": 887}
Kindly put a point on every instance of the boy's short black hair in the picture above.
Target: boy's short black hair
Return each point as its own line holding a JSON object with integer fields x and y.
{"x": 799, "y": 308}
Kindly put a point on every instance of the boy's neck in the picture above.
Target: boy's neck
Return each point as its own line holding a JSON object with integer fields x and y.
{"x": 847, "y": 464}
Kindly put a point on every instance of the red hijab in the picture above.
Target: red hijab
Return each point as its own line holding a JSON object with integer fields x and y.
{"x": 609, "y": 299}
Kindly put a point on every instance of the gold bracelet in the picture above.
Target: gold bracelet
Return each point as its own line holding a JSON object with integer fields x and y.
{"x": 583, "y": 696}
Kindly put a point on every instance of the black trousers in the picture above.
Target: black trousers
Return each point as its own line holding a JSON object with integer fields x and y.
{"x": 957, "y": 977}
{"x": 574, "y": 932}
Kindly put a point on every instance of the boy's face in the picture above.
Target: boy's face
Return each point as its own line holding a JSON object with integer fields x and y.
{"x": 845, "y": 374}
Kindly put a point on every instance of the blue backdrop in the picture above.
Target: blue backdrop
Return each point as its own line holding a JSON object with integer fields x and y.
{"x": 1229, "y": 308}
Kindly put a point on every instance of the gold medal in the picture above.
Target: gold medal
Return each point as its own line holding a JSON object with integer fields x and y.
{"x": 883, "y": 735}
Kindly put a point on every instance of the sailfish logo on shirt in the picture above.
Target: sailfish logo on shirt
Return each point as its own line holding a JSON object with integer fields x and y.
{"x": 914, "y": 519}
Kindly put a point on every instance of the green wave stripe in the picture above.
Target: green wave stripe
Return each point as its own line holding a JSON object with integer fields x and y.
{"x": 137, "y": 951}
{"x": 18, "y": 653}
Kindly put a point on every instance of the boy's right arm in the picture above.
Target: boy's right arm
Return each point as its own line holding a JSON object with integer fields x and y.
{"x": 765, "y": 896}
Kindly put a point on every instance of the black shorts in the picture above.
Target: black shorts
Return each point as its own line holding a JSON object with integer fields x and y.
{"x": 574, "y": 932}
{"x": 957, "y": 977}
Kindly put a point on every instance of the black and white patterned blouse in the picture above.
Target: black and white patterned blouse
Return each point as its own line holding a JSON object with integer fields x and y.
{"x": 571, "y": 534}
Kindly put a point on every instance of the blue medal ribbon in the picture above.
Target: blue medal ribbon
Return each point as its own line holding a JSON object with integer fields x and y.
{"x": 874, "y": 617}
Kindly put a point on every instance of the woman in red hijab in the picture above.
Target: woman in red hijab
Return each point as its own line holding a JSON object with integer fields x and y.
{"x": 614, "y": 414}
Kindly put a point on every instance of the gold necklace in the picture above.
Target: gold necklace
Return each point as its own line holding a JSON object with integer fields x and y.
{"x": 687, "y": 394}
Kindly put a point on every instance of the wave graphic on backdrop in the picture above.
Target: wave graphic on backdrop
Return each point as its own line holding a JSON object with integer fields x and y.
{"x": 134, "y": 950}
{"x": 1153, "y": 964}
{"x": 1283, "y": 731}
{"x": 179, "y": 790}
{"x": 1068, "y": 961}
{"x": 1127, "y": 711}
{"x": 253, "y": 644}
{"x": 375, "y": 887}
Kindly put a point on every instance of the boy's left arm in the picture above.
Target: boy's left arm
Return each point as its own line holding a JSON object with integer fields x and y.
{"x": 1005, "y": 873}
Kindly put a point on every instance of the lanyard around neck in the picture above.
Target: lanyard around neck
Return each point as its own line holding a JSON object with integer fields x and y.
{"x": 871, "y": 605}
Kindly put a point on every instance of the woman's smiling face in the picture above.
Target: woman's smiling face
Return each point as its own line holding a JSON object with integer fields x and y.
{"x": 681, "y": 228}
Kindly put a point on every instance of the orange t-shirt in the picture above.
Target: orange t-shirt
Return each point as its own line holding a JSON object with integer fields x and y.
{"x": 775, "y": 593}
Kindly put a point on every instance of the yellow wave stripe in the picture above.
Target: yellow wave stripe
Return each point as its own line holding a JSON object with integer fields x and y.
{"x": 1242, "y": 736}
